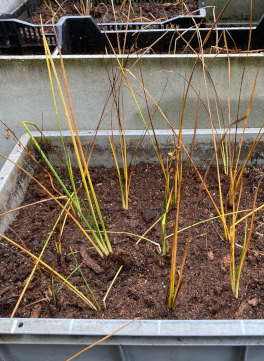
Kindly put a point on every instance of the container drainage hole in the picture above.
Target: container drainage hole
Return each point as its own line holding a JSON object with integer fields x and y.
{"x": 20, "y": 324}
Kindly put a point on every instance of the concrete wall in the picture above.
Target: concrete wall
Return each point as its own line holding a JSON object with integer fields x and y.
{"x": 7, "y": 5}
{"x": 25, "y": 91}
{"x": 236, "y": 11}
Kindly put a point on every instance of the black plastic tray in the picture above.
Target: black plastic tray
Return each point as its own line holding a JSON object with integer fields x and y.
{"x": 19, "y": 37}
{"x": 23, "y": 10}
{"x": 81, "y": 35}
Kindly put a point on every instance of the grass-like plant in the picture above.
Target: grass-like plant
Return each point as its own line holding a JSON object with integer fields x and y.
{"x": 235, "y": 172}
{"x": 86, "y": 8}
{"x": 227, "y": 152}
{"x": 118, "y": 83}
{"x": 227, "y": 145}
{"x": 37, "y": 261}
{"x": 231, "y": 148}
{"x": 118, "y": 108}
{"x": 101, "y": 238}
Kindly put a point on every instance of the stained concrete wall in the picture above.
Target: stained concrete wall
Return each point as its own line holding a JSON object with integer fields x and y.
{"x": 25, "y": 93}
{"x": 237, "y": 11}
{"x": 7, "y": 5}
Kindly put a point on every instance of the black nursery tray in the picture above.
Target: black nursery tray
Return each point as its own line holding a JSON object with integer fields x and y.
{"x": 83, "y": 36}
{"x": 23, "y": 11}
{"x": 18, "y": 37}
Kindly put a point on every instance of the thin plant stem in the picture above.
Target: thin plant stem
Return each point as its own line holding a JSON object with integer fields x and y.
{"x": 60, "y": 277}
{"x": 111, "y": 285}
{"x": 84, "y": 280}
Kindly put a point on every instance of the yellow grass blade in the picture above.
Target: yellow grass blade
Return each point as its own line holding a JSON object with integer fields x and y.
{"x": 101, "y": 340}
{"x": 74, "y": 289}
{"x": 111, "y": 285}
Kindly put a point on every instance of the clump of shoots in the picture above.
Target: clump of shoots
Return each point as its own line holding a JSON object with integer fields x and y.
{"x": 124, "y": 186}
{"x": 101, "y": 238}
{"x": 235, "y": 270}
{"x": 166, "y": 203}
{"x": 228, "y": 144}
{"x": 178, "y": 197}
{"x": 231, "y": 156}
{"x": 124, "y": 181}
{"x": 172, "y": 292}
{"x": 122, "y": 8}
{"x": 86, "y": 7}
{"x": 116, "y": 90}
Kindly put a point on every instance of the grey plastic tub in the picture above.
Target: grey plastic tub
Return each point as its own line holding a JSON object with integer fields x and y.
{"x": 157, "y": 340}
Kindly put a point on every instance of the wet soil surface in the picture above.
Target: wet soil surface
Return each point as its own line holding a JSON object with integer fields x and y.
{"x": 103, "y": 13}
{"x": 141, "y": 288}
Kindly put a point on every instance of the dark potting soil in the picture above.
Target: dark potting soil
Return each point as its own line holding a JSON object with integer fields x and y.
{"x": 145, "y": 11}
{"x": 103, "y": 13}
{"x": 141, "y": 288}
